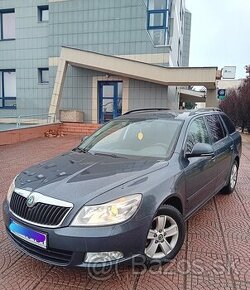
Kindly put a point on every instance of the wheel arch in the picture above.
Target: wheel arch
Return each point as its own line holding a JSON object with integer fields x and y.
{"x": 174, "y": 201}
{"x": 237, "y": 159}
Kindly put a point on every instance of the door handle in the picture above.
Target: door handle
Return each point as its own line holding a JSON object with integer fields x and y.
{"x": 232, "y": 147}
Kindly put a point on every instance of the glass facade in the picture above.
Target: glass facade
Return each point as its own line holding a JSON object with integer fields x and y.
{"x": 158, "y": 21}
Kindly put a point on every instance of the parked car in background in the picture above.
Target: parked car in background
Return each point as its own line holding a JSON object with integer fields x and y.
{"x": 126, "y": 190}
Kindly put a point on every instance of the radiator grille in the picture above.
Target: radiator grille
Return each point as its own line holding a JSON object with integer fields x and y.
{"x": 40, "y": 213}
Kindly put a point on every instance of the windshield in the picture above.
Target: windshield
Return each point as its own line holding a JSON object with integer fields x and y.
{"x": 142, "y": 138}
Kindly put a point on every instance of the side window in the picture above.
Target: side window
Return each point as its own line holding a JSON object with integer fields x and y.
{"x": 229, "y": 124}
{"x": 197, "y": 133}
{"x": 215, "y": 127}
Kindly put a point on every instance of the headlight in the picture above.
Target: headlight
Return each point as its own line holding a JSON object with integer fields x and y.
{"x": 110, "y": 213}
{"x": 10, "y": 191}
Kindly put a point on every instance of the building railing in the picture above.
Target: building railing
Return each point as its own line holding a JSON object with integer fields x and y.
{"x": 35, "y": 119}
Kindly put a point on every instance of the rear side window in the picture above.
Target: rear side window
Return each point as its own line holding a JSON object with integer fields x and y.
{"x": 229, "y": 124}
{"x": 197, "y": 133}
{"x": 215, "y": 127}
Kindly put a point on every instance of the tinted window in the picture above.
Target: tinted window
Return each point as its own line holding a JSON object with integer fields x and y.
{"x": 197, "y": 133}
{"x": 229, "y": 124}
{"x": 215, "y": 127}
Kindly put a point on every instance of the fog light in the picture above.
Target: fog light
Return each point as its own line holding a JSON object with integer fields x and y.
{"x": 102, "y": 257}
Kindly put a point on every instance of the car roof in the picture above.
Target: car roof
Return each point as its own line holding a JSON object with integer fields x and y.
{"x": 165, "y": 113}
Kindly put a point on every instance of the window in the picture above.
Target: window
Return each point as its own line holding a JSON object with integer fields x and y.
{"x": 7, "y": 89}
{"x": 157, "y": 4}
{"x": 158, "y": 19}
{"x": 43, "y": 75}
{"x": 179, "y": 52}
{"x": 215, "y": 127}
{"x": 7, "y": 24}
{"x": 43, "y": 13}
{"x": 181, "y": 10}
{"x": 228, "y": 123}
{"x": 197, "y": 133}
{"x": 134, "y": 137}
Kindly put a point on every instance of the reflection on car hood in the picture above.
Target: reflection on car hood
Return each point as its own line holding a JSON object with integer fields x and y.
{"x": 78, "y": 177}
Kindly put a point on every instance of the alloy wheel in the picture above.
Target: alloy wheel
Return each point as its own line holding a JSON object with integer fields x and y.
{"x": 233, "y": 177}
{"x": 162, "y": 237}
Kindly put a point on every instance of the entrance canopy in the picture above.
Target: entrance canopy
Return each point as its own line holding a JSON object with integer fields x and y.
{"x": 192, "y": 96}
{"x": 167, "y": 76}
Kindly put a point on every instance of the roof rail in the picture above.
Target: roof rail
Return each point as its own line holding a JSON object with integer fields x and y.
{"x": 146, "y": 110}
{"x": 207, "y": 109}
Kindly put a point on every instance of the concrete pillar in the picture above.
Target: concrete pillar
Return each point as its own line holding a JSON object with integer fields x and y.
{"x": 58, "y": 88}
{"x": 211, "y": 99}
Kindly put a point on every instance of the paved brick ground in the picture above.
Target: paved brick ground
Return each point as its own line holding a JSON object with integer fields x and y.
{"x": 216, "y": 253}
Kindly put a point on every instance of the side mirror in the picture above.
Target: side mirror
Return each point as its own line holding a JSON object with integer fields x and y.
{"x": 84, "y": 138}
{"x": 201, "y": 150}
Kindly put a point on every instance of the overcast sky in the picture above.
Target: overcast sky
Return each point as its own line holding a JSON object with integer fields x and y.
{"x": 220, "y": 33}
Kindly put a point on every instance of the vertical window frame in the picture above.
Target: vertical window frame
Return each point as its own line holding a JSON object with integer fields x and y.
{"x": 2, "y": 95}
{"x": 2, "y": 12}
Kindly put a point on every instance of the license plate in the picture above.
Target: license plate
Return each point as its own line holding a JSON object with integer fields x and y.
{"x": 29, "y": 235}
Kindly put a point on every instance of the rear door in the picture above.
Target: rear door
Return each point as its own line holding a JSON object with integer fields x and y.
{"x": 223, "y": 149}
{"x": 200, "y": 172}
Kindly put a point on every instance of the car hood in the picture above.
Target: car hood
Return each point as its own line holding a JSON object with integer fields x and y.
{"x": 80, "y": 177}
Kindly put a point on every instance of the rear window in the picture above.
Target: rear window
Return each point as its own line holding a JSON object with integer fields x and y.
{"x": 228, "y": 123}
{"x": 215, "y": 126}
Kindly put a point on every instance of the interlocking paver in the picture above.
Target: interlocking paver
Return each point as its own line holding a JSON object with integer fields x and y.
{"x": 208, "y": 283}
{"x": 169, "y": 276}
{"x": 66, "y": 277}
{"x": 215, "y": 254}
{"x": 242, "y": 285}
{"x": 209, "y": 264}
{"x": 3, "y": 234}
{"x": 9, "y": 256}
{"x": 123, "y": 279}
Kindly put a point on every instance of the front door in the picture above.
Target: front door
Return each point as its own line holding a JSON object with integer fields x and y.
{"x": 110, "y": 100}
{"x": 200, "y": 172}
{"x": 223, "y": 148}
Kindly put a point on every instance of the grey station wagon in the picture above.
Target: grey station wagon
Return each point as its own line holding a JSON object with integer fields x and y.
{"x": 125, "y": 191}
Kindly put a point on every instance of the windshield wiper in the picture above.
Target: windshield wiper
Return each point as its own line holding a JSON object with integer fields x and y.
{"x": 106, "y": 154}
{"x": 82, "y": 150}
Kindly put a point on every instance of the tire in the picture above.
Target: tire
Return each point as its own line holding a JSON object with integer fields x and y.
{"x": 229, "y": 188}
{"x": 162, "y": 244}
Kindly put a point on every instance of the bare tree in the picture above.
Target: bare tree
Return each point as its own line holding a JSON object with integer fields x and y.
{"x": 244, "y": 95}
{"x": 231, "y": 106}
{"x": 237, "y": 104}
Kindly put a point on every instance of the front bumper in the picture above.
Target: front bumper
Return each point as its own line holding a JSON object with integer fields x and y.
{"x": 67, "y": 246}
